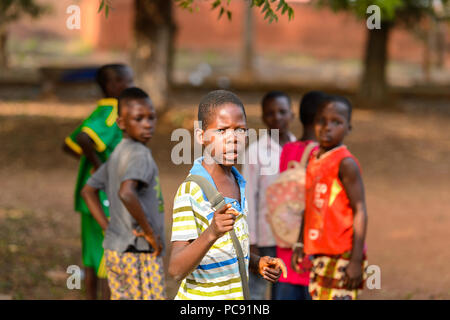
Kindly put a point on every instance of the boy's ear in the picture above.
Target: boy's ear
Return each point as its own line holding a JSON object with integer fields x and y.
{"x": 198, "y": 136}
{"x": 120, "y": 122}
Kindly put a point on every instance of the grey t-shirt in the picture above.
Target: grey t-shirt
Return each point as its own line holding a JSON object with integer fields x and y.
{"x": 130, "y": 160}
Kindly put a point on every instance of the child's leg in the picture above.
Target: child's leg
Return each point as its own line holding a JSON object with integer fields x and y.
{"x": 326, "y": 278}
{"x": 258, "y": 287}
{"x": 104, "y": 287}
{"x": 117, "y": 276}
{"x": 92, "y": 251}
{"x": 90, "y": 283}
{"x": 152, "y": 277}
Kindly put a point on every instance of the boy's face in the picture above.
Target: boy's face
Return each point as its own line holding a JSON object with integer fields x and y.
{"x": 137, "y": 119}
{"x": 277, "y": 114}
{"x": 119, "y": 81}
{"x": 226, "y": 135}
{"x": 332, "y": 125}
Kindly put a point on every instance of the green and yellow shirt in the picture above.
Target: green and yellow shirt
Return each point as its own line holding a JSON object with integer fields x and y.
{"x": 102, "y": 128}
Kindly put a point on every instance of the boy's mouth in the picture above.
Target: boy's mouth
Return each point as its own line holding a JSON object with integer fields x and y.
{"x": 147, "y": 134}
{"x": 231, "y": 155}
{"x": 325, "y": 137}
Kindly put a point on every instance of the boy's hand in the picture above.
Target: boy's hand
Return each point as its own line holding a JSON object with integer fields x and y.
{"x": 271, "y": 268}
{"x": 223, "y": 221}
{"x": 154, "y": 242}
{"x": 353, "y": 275}
{"x": 297, "y": 260}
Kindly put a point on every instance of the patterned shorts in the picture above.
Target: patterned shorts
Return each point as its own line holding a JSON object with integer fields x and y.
{"x": 326, "y": 278}
{"x": 135, "y": 276}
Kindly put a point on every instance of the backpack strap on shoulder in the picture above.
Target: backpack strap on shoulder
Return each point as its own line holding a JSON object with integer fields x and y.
{"x": 306, "y": 153}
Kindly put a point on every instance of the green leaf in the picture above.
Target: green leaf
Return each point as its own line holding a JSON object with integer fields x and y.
{"x": 102, "y": 4}
{"x": 281, "y": 4}
{"x": 229, "y": 14}
{"x": 222, "y": 10}
{"x": 266, "y": 7}
{"x": 290, "y": 13}
{"x": 215, "y": 4}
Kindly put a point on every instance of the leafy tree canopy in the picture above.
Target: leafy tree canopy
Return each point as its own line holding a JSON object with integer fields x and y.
{"x": 11, "y": 10}
{"x": 406, "y": 11}
{"x": 269, "y": 8}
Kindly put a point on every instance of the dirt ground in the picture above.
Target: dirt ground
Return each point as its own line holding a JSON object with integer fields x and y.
{"x": 405, "y": 158}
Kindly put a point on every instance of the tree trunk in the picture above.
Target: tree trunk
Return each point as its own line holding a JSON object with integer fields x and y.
{"x": 373, "y": 87}
{"x": 247, "y": 71}
{"x": 440, "y": 44}
{"x": 427, "y": 52}
{"x": 3, "y": 47}
{"x": 152, "y": 55}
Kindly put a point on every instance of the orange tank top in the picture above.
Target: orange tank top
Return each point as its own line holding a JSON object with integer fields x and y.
{"x": 328, "y": 226}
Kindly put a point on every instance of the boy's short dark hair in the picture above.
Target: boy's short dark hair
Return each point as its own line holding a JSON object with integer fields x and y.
{"x": 309, "y": 105}
{"x": 347, "y": 102}
{"x": 341, "y": 99}
{"x": 101, "y": 76}
{"x": 214, "y": 99}
{"x": 132, "y": 93}
{"x": 273, "y": 95}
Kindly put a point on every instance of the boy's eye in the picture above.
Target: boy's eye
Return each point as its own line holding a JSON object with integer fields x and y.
{"x": 221, "y": 131}
{"x": 240, "y": 130}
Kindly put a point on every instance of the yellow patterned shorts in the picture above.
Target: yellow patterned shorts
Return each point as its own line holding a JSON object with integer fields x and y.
{"x": 135, "y": 276}
{"x": 326, "y": 278}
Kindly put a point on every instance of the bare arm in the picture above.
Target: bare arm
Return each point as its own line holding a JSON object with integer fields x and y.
{"x": 298, "y": 254}
{"x": 128, "y": 196}
{"x": 90, "y": 196}
{"x": 88, "y": 147}
{"x": 69, "y": 151}
{"x": 352, "y": 181}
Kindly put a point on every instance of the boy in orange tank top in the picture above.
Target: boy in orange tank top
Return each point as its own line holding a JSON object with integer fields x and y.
{"x": 335, "y": 214}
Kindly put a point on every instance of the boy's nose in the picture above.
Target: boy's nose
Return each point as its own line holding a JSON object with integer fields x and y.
{"x": 147, "y": 124}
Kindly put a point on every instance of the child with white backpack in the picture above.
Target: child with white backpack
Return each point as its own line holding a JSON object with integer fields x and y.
{"x": 260, "y": 170}
{"x": 286, "y": 201}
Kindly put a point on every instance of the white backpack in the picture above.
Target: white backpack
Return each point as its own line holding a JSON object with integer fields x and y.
{"x": 285, "y": 199}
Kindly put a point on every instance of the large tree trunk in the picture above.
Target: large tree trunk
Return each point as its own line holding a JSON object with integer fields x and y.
{"x": 152, "y": 55}
{"x": 373, "y": 87}
{"x": 3, "y": 47}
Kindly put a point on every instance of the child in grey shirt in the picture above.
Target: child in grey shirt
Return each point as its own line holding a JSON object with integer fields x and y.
{"x": 134, "y": 234}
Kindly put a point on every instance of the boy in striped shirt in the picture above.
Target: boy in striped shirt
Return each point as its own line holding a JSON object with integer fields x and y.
{"x": 203, "y": 255}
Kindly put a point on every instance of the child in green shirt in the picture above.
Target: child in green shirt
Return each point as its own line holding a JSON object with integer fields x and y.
{"x": 92, "y": 142}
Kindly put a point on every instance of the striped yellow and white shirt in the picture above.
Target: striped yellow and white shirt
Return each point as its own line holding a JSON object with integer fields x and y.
{"x": 217, "y": 276}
